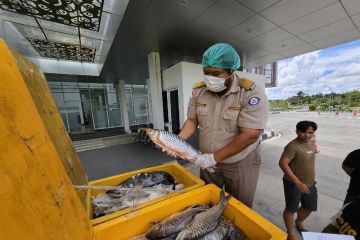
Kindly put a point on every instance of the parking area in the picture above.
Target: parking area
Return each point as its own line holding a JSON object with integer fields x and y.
{"x": 336, "y": 138}
{"x": 337, "y": 135}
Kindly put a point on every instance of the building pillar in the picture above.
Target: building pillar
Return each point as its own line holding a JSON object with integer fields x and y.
{"x": 155, "y": 88}
{"x": 124, "y": 108}
{"x": 151, "y": 119}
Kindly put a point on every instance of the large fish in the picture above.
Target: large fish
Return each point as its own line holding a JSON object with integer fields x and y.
{"x": 174, "y": 224}
{"x": 204, "y": 222}
{"x": 236, "y": 234}
{"x": 220, "y": 232}
{"x": 145, "y": 179}
{"x": 173, "y": 144}
{"x": 127, "y": 197}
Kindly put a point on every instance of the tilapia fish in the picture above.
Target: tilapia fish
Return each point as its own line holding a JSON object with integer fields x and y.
{"x": 204, "y": 222}
{"x": 173, "y": 144}
{"x": 145, "y": 179}
{"x": 174, "y": 224}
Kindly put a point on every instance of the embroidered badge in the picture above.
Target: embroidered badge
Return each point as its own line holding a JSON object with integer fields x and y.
{"x": 254, "y": 101}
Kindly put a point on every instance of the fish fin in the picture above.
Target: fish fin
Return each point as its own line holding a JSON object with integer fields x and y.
{"x": 228, "y": 197}
{"x": 222, "y": 196}
{"x": 200, "y": 207}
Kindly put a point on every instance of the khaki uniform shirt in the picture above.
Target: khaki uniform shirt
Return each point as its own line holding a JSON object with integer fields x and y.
{"x": 302, "y": 162}
{"x": 220, "y": 118}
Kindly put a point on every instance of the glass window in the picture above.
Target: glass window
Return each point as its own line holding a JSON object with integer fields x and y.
{"x": 138, "y": 110}
{"x": 86, "y": 107}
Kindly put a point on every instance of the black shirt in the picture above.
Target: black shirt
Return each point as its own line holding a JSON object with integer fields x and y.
{"x": 353, "y": 160}
{"x": 348, "y": 223}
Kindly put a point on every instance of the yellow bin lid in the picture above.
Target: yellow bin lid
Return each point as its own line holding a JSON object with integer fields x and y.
{"x": 38, "y": 162}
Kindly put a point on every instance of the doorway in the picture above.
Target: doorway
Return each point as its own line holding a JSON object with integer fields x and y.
{"x": 171, "y": 111}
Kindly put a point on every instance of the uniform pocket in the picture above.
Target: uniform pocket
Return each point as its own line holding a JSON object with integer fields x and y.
{"x": 203, "y": 117}
{"x": 230, "y": 120}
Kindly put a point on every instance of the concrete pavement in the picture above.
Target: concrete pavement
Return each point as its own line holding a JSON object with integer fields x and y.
{"x": 336, "y": 138}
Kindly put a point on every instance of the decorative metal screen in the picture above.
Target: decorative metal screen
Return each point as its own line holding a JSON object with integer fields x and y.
{"x": 269, "y": 71}
{"x": 80, "y": 13}
{"x": 63, "y": 51}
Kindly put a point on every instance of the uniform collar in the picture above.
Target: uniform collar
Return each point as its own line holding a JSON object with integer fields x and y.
{"x": 234, "y": 88}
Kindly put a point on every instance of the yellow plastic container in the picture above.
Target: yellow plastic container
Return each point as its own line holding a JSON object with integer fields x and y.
{"x": 252, "y": 224}
{"x": 181, "y": 175}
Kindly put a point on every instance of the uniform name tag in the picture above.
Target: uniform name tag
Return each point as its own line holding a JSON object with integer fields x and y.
{"x": 310, "y": 152}
{"x": 234, "y": 108}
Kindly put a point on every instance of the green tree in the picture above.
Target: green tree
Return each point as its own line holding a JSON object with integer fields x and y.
{"x": 354, "y": 104}
{"x": 324, "y": 106}
{"x": 300, "y": 94}
{"x": 312, "y": 107}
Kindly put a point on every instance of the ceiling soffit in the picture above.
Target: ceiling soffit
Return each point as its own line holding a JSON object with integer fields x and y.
{"x": 72, "y": 30}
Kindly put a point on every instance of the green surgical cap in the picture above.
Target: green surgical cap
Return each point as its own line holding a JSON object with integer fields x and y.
{"x": 221, "y": 55}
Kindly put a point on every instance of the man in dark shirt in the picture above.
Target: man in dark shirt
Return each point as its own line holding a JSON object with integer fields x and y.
{"x": 347, "y": 220}
{"x": 351, "y": 166}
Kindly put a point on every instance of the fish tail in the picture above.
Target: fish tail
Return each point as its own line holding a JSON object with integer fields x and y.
{"x": 224, "y": 198}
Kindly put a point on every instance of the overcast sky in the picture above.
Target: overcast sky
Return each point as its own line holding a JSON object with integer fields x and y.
{"x": 337, "y": 67}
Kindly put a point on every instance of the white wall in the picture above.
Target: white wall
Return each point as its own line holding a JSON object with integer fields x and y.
{"x": 191, "y": 73}
{"x": 183, "y": 75}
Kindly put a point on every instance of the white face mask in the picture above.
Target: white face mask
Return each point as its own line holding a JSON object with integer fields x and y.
{"x": 215, "y": 84}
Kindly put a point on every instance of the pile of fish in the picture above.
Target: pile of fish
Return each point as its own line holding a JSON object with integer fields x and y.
{"x": 173, "y": 145}
{"x": 133, "y": 191}
{"x": 196, "y": 222}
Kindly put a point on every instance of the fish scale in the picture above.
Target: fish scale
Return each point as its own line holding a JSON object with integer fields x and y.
{"x": 174, "y": 145}
{"x": 173, "y": 224}
{"x": 220, "y": 232}
{"x": 204, "y": 222}
{"x": 177, "y": 143}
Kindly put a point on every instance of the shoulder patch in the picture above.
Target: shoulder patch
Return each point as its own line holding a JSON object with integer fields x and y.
{"x": 254, "y": 101}
{"x": 199, "y": 84}
{"x": 247, "y": 84}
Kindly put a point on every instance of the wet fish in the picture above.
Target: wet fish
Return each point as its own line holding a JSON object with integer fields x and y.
{"x": 173, "y": 144}
{"x": 139, "y": 237}
{"x": 127, "y": 197}
{"x": 220, "y": 232}
{"x": 175, "y": 223}
{"x": 204, "y": 222}
{"x": 145, "y": 179}
{"x": 236, "y": 234}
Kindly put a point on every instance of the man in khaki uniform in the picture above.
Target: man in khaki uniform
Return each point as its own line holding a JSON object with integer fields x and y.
{"x": 231, "y": 114}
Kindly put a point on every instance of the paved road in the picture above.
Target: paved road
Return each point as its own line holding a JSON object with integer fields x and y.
{"x": 336, "y": 136}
